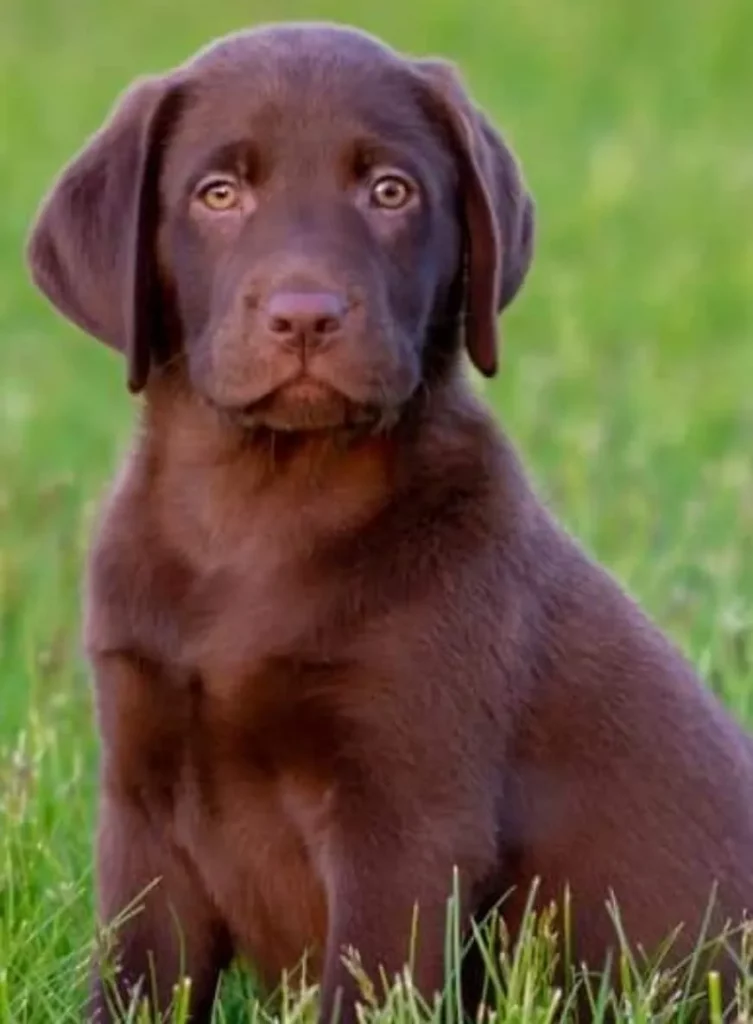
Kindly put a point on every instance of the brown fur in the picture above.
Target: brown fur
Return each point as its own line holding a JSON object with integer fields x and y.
{"x": 339, "y": 647}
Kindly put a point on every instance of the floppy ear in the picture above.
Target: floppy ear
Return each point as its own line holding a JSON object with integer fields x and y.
{"x": 498, "y": 211}
{"x": 91, "y": 250}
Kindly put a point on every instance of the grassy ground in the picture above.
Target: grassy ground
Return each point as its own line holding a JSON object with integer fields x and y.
{"x": 627, "y": 372}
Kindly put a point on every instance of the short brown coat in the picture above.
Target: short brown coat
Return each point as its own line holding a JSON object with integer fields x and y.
{"x": 339, "y": 646}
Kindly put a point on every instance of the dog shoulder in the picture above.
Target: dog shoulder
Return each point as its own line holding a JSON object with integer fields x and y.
{"x": 134, "y": 583}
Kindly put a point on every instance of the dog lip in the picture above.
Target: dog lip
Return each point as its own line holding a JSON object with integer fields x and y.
{"x": 305, "y": 386}
{"x": 302, "y": 386}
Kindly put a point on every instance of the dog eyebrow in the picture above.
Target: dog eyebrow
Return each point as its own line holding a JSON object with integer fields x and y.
{"x": 405, "y": 139}
{"x": 241, "y": 157}
{"x": 368, "y": 151}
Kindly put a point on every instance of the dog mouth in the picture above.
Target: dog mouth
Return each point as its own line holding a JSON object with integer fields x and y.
{"x": 305, "y": 404}
{"x": 305, "y": 389}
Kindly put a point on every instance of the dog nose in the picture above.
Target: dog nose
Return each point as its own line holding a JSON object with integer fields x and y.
{"x": 305, "y": 318}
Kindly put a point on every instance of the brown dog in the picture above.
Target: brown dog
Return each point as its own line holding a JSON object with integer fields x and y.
{"x": 339, "y": 646}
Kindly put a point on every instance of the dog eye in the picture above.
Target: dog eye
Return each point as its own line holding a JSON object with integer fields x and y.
{"x": 219, "y": 195}
{"x": 390, "y": 192}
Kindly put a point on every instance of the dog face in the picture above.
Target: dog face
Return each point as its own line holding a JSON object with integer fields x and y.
{"x": 302, "y": 218}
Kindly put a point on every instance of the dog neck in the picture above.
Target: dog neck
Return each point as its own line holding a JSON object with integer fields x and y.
{"x": 215, "y": 482}
{"x": 179, "y": 426}
{"x": 214, "y": 479}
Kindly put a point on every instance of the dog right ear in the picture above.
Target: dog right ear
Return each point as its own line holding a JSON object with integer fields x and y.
{"x": 498, "y": 211}
{"x": 91, "y": 250}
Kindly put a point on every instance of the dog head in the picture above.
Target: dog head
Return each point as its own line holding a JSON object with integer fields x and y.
{"x": 307, "y": 222}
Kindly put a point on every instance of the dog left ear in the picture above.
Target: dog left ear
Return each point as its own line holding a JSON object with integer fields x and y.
{"x": 498, "y": 210}
{"x": 91, "y": 251}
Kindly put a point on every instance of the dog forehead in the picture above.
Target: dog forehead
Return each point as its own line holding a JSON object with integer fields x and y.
{"x": 328, "y": 85}
{"x": 311, "y": 44}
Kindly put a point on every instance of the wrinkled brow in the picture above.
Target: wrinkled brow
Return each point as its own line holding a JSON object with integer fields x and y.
{"x": 240, "y": 124}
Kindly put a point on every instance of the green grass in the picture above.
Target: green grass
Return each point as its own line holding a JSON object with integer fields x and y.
{"x": 626, "y": 378}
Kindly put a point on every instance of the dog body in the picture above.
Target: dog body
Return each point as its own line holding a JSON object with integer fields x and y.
{"x": 340, "y": 648}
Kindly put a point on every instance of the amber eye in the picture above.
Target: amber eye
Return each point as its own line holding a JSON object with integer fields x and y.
{"x": 220, "y": 194}
{"x": 390, "y": 192}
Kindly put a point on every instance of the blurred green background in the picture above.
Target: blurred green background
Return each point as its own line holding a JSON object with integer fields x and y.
{"x": 627, "y": 367}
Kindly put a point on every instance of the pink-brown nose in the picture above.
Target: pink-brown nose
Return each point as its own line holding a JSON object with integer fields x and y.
{"x": 305, "y": 318}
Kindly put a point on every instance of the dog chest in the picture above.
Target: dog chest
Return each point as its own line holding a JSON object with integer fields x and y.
{"x": 255, "y": 810}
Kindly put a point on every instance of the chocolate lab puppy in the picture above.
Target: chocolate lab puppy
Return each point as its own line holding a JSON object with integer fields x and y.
{"x": 339, "y": 647}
